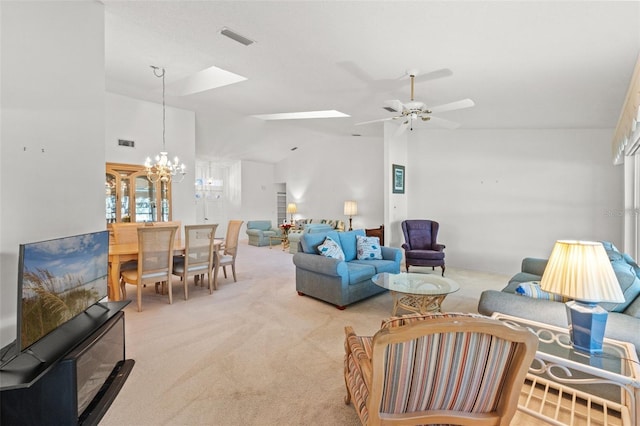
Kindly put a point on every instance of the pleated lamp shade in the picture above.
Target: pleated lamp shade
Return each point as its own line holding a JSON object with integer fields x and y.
{"x": 350, "y": 208}
{"x": 292, "y": 208}
{"x": 581, "y": 270}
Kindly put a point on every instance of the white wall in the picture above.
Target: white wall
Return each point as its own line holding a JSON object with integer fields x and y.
{"x": 141, "y": 121}
{"x": 331, "y": 169}
{"x": 501, "y": 195}
{"x": 396, "y": 205}
{"x": 259, "y": 192}
{"x": 52, "y": 136}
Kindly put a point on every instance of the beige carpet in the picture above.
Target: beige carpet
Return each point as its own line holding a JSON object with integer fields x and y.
{"x": 253, "y": 352}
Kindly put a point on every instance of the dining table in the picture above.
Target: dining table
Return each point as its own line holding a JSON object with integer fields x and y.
{"x": 120, "y": 253}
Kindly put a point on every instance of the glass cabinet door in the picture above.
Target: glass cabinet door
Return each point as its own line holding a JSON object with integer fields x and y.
{"x": 165, "y": 201}
{"x": 111, "y": 197}
{"x": 131, "y": 197}
{"x": 145, "y": 200}
{"x": 125, "y": 199}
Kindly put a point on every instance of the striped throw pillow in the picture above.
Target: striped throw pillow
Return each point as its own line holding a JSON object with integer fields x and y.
{"x": 532, "y": 289}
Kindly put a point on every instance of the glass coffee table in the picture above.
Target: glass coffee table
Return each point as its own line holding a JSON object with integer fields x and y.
{"x": 421, "y": 293}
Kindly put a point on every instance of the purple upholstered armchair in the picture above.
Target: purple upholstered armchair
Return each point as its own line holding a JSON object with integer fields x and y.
{"x": 420, "y": 247}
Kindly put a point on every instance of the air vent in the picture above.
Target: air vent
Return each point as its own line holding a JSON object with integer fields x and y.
{"x": 389, "y": 109}
{"x": 123, "y": 142}
{"x": 235, "y": 36}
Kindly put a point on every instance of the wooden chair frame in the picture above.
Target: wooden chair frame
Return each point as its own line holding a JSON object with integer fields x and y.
{"x": 374, "y": 377}
{"x": 229, "y": 249}
{"x": 195, "y": 270}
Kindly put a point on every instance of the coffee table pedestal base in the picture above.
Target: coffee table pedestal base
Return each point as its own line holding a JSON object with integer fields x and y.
{"x": 422, "y": 304}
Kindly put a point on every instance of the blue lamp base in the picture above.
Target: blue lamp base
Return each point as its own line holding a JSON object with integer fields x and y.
{"x": 587, "y": 322}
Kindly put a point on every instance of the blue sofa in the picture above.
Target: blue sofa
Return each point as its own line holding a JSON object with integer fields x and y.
{"x": 259, "y": 232}
{"x": 340, "y": 282}
{"x": 624, "y": 318}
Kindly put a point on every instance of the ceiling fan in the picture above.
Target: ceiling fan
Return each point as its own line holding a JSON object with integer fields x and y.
{"x": 416, "y": 111}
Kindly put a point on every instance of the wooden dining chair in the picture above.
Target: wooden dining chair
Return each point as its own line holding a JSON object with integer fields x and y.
{"x": 169, "y": 223}
{"x": 155, "y": 260}
{"x": 229, "y": 249}
{"x": 198, "y": 256}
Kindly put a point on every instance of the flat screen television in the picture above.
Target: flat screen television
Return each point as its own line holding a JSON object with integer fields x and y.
{"x": 59, "y": 279}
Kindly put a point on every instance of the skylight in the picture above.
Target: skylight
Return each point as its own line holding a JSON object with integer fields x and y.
{"x": 207, "y": 79}
{"x": 332, "y": 113}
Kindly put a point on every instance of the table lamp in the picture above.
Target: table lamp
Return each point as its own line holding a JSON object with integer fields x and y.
{"x": 581, "y": 270}
{"x": 291, "y": 209}
{"x": 350, "y": 209}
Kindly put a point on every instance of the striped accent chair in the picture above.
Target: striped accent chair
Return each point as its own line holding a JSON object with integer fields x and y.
{"x": 441, "y": 368}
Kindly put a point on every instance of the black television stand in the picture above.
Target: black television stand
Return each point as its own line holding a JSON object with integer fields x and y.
{"x": 82, "y": 368}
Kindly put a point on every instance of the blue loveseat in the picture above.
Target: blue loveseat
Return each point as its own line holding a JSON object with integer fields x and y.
{"x": 259, "y": 232}
{"x": 340, "y": 282}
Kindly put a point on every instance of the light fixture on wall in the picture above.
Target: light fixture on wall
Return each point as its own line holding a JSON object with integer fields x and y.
{"x": 163, "y": 169}
{"x": 350, "y": 209}
{"x": 292, "y": 209}
{"x": 582, "y": 271}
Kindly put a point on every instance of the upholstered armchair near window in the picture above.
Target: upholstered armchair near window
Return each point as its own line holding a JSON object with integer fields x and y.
{"x": 421, "y": 247}
{"x": 459, "y": 369}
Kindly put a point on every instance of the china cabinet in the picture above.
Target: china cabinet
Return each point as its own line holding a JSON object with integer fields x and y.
{"x": 131, "y": 197}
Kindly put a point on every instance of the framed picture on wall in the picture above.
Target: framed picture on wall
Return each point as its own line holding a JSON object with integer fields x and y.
{"x": 398, "y": 178}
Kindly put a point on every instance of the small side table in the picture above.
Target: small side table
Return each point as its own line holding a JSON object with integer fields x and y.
{"x": 285, "y": 238}
{"x": 571, "y": 387}
{"x": 279, "y": 239}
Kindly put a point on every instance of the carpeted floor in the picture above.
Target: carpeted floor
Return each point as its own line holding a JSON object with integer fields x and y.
{"x": 253, "y": 352}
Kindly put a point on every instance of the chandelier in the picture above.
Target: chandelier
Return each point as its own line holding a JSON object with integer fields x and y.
{"x": 163, "y": 169}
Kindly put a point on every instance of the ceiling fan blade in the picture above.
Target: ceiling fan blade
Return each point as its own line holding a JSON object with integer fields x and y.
{"x": 464, "y": 103}
{"x": 395, "y": 104}
{"x": 419, "y": 78}
{"x": 441, "y": 73}
{"x": 355, "y": 70}
{"x": 441, "y": 122}
{"x": 375, "y": 121}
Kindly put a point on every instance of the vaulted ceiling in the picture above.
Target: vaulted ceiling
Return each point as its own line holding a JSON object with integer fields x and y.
{"x": 526, "y": 64}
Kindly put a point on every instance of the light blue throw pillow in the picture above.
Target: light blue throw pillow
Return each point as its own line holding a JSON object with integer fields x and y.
{"x": 368, "y": 248}
{"x": 332, "y": 249}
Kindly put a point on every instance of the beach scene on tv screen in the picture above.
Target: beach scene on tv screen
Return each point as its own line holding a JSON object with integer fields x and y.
{"x": 60, "y": 279}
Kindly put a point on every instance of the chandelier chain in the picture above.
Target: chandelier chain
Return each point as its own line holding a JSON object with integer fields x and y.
{"x": 164, "y": 169}
{"x": 164, "y": 115}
